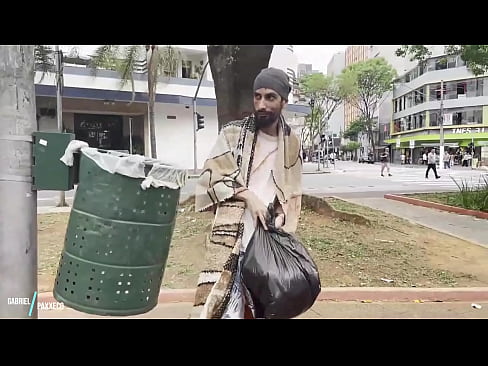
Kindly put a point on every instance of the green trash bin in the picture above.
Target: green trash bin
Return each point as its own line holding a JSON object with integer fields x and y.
{"x": 118, "y": 235}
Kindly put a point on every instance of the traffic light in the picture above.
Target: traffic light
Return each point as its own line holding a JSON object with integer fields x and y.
{"x": 322, "y": 138}
{"x": 200, "y": 121}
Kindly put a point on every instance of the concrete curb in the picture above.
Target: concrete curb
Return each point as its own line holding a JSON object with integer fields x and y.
{"x": 393, "y": 294}
{"x": 438, "y": 206}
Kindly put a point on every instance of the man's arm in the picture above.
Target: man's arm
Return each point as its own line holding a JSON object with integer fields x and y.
{"x": 254, "y": 204}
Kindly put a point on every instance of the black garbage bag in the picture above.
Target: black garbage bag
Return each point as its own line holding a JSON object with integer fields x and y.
{"x": 279, "y": 274}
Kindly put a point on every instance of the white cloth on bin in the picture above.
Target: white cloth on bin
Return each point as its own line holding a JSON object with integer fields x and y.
{"x": 73, "y": 146}
{"x": 160, "y": 175}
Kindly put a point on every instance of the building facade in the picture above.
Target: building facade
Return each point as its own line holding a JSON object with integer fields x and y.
{"x": 416, "y": 110}
{"x": 334, "y": 68}
{"x": 97, "y": 110}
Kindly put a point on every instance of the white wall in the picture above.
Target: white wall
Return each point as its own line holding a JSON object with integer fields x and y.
{"x": 105, "y": 83}
{"x": 174, "y": 137}
{"x": 336, "y": 64}
{"x": 336, "y": 121}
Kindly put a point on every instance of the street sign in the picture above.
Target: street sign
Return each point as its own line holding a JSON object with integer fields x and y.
{"x": 398, "y": 142}
{"x": 412, "y": 144}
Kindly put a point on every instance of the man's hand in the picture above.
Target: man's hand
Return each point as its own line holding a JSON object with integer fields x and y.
{"x": 256, "y": 207}
{"x": 279, "y": 221}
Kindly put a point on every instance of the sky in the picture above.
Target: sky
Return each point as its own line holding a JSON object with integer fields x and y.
{"x": 317, "y": 55}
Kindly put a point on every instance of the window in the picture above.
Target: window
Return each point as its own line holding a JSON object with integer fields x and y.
{"x": 451, "y": 62}
{"x": 450, "y": 90}
{"x": 397, "y": 126}
{"x": 474, "y": 88}
{"x": 409, "y": 100}
{"x": 186, "y": 69}
{"x": 433, "y": 118}
{"x": 430, "y": 66}
{"x": 441, "y": 63}
{"x": 460, "y": 116}
{"x": 419, "y": 96}
{"x": 421, "y": 69}
{"x": 462, "y": 88}
{"x": 421, "y": 120}
{"x": 435, "y": 91}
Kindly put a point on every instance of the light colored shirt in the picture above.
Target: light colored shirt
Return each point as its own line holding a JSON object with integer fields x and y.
{"x": 261, "y": 181}
{"x": 431, "y": 158}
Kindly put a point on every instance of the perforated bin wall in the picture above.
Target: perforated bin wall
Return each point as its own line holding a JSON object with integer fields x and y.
{"x": 116, "y": 244}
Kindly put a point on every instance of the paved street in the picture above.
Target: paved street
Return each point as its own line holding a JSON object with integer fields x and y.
{"x": 348, "y": 179}
{"x": 351, "y": 179}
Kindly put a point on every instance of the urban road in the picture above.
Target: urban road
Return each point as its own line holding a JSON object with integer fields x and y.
{"x": 348, "y": 180}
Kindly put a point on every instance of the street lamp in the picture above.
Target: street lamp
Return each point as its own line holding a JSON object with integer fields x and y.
{"x": 441, "y": 122}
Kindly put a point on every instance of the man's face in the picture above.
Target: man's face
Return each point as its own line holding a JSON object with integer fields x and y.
{"x": 267, "y": 106}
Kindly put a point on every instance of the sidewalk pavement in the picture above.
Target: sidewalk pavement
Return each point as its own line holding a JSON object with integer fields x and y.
{"x": 320, "y": 310}
{"x": 333, "y": 303}
{"x": 461, "y": 226}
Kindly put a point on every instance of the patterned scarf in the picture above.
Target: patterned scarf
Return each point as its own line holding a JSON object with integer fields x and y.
{"x": 227, "y": 170}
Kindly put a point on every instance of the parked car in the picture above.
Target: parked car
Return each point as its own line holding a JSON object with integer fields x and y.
{"x": 367, "y": 159}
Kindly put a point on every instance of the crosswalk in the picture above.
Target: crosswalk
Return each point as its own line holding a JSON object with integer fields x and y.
{"x": 448, "y": 179}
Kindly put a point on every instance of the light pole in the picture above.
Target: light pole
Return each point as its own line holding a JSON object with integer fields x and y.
{"x": 195, "y": 124}
{"x": 59, "y": 107}
{"x": 18, "y": 208}
{"x": 441, "y": 129}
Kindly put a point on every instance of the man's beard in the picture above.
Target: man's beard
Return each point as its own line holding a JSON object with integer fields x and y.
{"x": 265, "y": 119}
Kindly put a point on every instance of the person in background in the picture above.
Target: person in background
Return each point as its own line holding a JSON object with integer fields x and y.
{"x": 385, "y": 158}
{"x": 431, "y": 164}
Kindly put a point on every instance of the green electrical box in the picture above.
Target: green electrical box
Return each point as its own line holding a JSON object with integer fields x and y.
{"x": 48, "y": 171}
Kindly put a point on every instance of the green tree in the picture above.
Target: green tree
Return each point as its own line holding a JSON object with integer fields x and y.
{"x": 312, "y": 126}
{"x": 44, "y": 59}
{"x": 365, "y": 83}
{"x": 157, "y": 61}
{"x": 327, "y": 93}
{"x": 475, "y": 55}
{"x": 234, "y": 68}
{"x": 355, "y": 129}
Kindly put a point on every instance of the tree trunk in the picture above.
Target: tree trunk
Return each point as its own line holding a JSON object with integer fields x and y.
{"x": 18, "y": 208}
{"x": 371, "y": 139}
{"x": 152, "y": 129}
{"x": 234, "y": 68}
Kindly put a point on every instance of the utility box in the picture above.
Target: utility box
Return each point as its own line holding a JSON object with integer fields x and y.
{"x": 50, "y": 173}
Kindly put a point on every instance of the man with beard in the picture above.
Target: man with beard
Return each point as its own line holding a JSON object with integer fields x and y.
{"x": 255, "y": 161}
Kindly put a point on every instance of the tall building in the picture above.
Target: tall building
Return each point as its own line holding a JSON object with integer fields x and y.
{"x": 304, "y": 69}
{"x": 353, "y": 54}
{"x": 334, "y": 68}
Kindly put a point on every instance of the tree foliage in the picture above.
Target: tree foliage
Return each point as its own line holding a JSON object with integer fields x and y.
{"x": 364, "y": 86}
{"x": 475, "y": 55}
